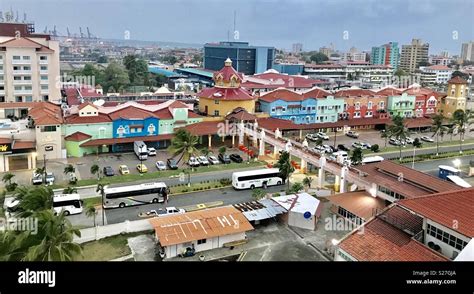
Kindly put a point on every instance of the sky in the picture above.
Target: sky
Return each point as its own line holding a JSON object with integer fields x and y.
{"x": 445, "y": 24}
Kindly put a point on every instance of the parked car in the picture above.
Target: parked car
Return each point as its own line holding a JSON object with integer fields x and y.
{"x": 224, "y": 158}
{"x": 213, "y": 160}
{"x": 141, "y": 167}
{"x": 342, "y": 147}
{"x": 358, "y": 145}
{"x": 151, "y": 151}
{"x": 160, "y": 165}
{"x": 236, "y": 158}
{"x": 319, "y": 149}
{"x": 311, "y": 137}
{"x": 172, "y": 164}
{"x": 366, "y": 145}
{"x": 395, "y": 142}
{"x": 109, "y": 171}
{"x": 322, "y": 135}
{"x": 203, "y": 160}
{"x": 427, "y": 139}
{"x": 37, "y": 179}
{"x": 50, "y": 178}
{"x": 166, "y": 211}
{"x": 327, "y": 148}
{"x": 123, "y": 169}
{"x": 352, "y": 134}
{"x": 193, "y": 162}
{"x": 409, "y": 140}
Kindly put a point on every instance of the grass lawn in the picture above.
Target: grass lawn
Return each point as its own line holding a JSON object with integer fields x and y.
{"x": 92, "y": 201}
{"x": 107, "y": 249}
{"x": 163, "y": 174}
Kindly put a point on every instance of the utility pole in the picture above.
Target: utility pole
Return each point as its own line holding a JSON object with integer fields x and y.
{"x": 44, "y": 168}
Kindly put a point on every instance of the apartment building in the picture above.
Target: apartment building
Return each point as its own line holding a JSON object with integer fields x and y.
{"x": 413, "y": 54}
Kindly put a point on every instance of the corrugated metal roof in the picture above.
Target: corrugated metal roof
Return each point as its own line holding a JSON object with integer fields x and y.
{"x": 260, "y": 210}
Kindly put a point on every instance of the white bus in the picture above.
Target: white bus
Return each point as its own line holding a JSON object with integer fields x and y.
{"x": 256, "y": 178}
{"x": 135, "y": 195}
{"x": 69, "y": 203}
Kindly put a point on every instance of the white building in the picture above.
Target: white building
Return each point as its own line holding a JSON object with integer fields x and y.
{"x": 435, "y": 74}
{"x": 303, "y": 210}
{"x": 200, "y": 230}
{"x": 467, "y": 51}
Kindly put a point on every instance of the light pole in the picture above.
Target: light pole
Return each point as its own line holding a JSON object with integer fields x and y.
{"x": 44, "y": 168}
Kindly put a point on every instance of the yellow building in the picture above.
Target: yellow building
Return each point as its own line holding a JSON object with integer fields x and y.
{"x": 226, "y": 95}
{"x": 456, "y": 98}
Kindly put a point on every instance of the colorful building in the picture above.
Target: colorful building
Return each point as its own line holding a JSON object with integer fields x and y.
{"x": 387, "y": 54}
{"x": 402, "y": 105}
{"x": 226, "y": 95}
{"x": 456, "y": 98}
{"x": 426, "y": 100}
{"x": 362, "y": 103}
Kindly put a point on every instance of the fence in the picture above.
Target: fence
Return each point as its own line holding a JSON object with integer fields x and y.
{"x": 100, "y": 232}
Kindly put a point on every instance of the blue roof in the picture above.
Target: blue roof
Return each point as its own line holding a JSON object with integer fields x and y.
{"x": 196, "y": 71}
{"x": 164, "y": 72}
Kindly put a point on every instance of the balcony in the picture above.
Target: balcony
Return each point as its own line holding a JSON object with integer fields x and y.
{"x": 44, "y": 91}
{"x": 2, "y": 92}
{"x": 22, "y": 82}
{"x": 43, "y": 62}
{"x": 21, "y": 72}
{"x": 44, "y": 82}
{"x": 23, "y": 92}
{"x": 44, "y": 71}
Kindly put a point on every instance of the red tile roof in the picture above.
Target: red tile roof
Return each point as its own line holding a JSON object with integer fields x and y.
{"x": 241, "y": 114}
{"x": 225, "y": 94}
{"x": 112, "y": 141}
{"x": 281, "y": 94}
{"x": 316, "y": 93}
{"x": 438, "y": 67}
{"x": 227, "y": 72}
{"x": 354, "y": 93}
{"x": 76, "y": 119}
{"x": 271, "y": 80}
{"x": 203, "y": 128}
{"x": 381, "y": 241}
{"x": 131, "y": 112}
{"x": 413, "y": 184}
{"x": 389, "y": 92}
{"x": 25, "y": 43}
{"x": 457, "y": 80}
{"x": 453, "y": 209}
{"x": 46, "y": 113}
{"x": 86, "y": 104}
{"x": 23, "y": 145}
{"x": 77, "y": 137}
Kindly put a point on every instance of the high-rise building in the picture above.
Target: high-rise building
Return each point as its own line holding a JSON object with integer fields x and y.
{"x": 326, "y": 51}
{"x": 297, "y": 48}
{"x": 467, "y": 51}
{"x": 413, "y": 54}
{"x": 387, "y": 54}
{"x": 247, "y": 59}
{"x": 29, "y": 65}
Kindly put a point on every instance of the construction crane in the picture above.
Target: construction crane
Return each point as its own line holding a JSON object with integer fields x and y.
{"x": 89, "y": 33}
{"x": 55, "y": 32}
{"x": 68, "y": 32}
{"x": 81, "y": 33}
{"x": 45, "y": 30}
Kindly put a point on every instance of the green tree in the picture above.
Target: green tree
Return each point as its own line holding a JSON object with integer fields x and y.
{"x": 183, "y": 144}
{"x": 457, "y": 73}
{"x": 9, "y": 185}
{"x": 398, "y": 130}
{"x": 69, "y": 169}
{"x": 70, "y": 190}
{"x": 222, "y": 150}
{"x": 90, "y": 70}
{"x": 438, "y": 129}
{"x": 91, "y": 211}
{"x": 375, "y": 148}
{"x": 295, "y": 188}
{"x": 33, "y": 199}
{"x": 285, "y": 167}
{"x": 356, "y": 156}
{"x": 137, "y": 69}
{"x": 399, "y": 73}
{"x": 385, "y": 135}
{"x": 318, "y": 58}
{"x": 95, "y": 170}
{"x": 115, "y": 77}
{"x": 205, "y": 151}
{"x": 258, "y": 194}
{"x": 307, "y": 181}
{"x": 102, "y": 59}
{"x": 462, "y": 120}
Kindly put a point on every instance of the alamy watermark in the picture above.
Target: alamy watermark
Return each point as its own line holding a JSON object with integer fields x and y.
{"x": 68, "y": 81}
{"x": 340, "y": 224}
{"x": 19, "y": 224}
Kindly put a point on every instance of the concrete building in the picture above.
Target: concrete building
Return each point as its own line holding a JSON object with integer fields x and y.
{"x": 435, "y": 74}
{"x": 29, "y": 68}
{"x": 467, "y": 51}
{"x": 200, "y": 230}
{"x": 247, "y": 59}
{"x": 387, "y": 54}
{"x": 413, "y": 54}
{"x": 297, "y": 48}
{"x": 303, "y": 210}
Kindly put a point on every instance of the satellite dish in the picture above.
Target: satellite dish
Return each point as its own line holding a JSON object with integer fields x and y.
{"x": 307, "y": 215}
{"x": 99, "y": 102}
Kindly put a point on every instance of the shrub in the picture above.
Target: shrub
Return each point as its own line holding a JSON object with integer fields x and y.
{"x": 225, "y": 182}
{"x": 375, "y": 148}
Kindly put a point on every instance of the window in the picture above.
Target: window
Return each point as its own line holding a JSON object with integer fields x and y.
{"x": 46, "y": 98}
{"x": 45, "y": 129}
{"x": 2, "y": 98}
{"x": 26, "y": 58}
{"x": 43, "y": 67}
{"x": 273, "y": 109}
{"x": 202, "y": 241}
{"x": 349, "y": 216}
{"x": 16, "y": 57}
{"x": 26, "y": 67}
{"x": 44, "y": 78}
{"x": 16, "y": 68}
{"x": 216, "y": 101}
{"x": 445, "y": 237}
{"x": 357, "y": 105}
{"x": 17, "y": 78}
{"x": 391, "y": 193}
{"x": 43, "y": 57}
{"x": 369, "y": 105}
{"x": 344, "y": 256}
{"x": 44, "y": 87}
{"x": 27, "y": 78}
{"x": 216, "y": 112}
{"x": 29, "y": 98}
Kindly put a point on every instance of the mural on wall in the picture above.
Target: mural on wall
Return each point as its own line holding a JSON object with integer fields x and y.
{"x": 135, "y": 128}
{"x": 151, "y": 129}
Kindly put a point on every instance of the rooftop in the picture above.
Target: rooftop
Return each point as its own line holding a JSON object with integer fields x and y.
{"x": 360, "y": 203}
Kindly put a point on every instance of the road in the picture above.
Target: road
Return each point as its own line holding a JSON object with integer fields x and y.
{"x": 431, "y": 166}
{"x": 226, "y": 195}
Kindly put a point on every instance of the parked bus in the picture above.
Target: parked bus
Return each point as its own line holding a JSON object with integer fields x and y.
{"x": 69, "y": 203}
{"x": 135, "y": 195}
{"x": 256, "y": 178}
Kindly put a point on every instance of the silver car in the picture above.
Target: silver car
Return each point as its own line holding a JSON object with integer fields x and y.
{"x": 160, "y": 165}
{"x": 213, "y": 160}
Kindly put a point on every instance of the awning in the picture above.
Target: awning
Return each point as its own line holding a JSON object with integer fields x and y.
{"x": 113, "y": 141}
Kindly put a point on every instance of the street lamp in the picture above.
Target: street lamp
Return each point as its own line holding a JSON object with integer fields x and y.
{"x": 457, "y": 163}
{"x": 44, "y": 167}
{"x": 141, "y": 160}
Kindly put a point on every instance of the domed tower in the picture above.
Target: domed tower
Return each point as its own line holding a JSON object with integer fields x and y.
{"x": 226, "y": 95}
{"x": 456, "y": 98}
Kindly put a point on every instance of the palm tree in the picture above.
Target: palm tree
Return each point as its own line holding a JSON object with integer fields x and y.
{"x": 55, "y": 236}
{"x": 205, "y": 151}
{"x": 385, "y": 135}
{"x": 307, "y": 181}
{"x": 183, "y": 144}
{"x": 7, "y": 179}
{"x": 416, "y": 144}
{"x": 100, "y": 189}
{"x": 399, "y": 131}
{"x": 91, "y": 211}
{"x": 70, "y": 190}
{"x": 462, "y": 119}
{"x": 69, "y": 169}
{"x": 33, "y": 199}
{"x": 285, "y": 167}
{"x": 356, "y": 156}
{"x": 438, "y": 129}
{"x": 258, "y": 194}
{"x": 95, "y": 170}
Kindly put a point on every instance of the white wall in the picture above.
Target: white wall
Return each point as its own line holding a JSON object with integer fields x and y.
{"x": 446, "y": 249}
{"x": 297, "y": 220}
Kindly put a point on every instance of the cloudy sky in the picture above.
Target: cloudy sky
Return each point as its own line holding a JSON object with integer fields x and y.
{"x": 445, "y": 24}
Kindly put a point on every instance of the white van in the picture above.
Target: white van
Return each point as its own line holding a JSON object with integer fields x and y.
{"x": 340, "y": 157}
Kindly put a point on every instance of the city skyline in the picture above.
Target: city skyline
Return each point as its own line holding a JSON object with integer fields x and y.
{"x": 211, "y": 21}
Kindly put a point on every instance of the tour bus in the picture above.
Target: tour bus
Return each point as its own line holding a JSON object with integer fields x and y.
{"x": 69, "y": 203}
{"x": 372, "y": 159}
{"x": 135, "y": 195}
{"x": 256, "y": 178}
